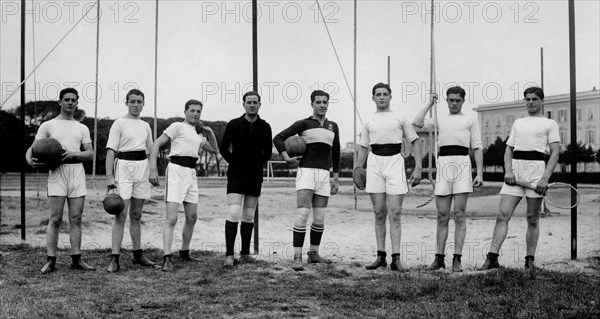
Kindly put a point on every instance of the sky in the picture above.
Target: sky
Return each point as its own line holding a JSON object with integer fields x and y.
{"x": 490, "y": 48}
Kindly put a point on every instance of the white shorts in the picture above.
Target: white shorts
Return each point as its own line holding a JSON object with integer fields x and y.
{"x": 314, "y": 179}
{"x": 182, "y": 184}
{"x": 132, "y": 179}
{"x": 385, "y": 174}
{"x": 525, "y": 171}
{"x": 67, "y": 180}
{"x": 453, "y": 175}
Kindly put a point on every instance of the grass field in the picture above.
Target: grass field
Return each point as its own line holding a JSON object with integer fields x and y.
{"x": 267, "y": 290}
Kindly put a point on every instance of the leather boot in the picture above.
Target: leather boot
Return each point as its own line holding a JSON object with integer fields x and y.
{"x": 395, "y": 265}
{"x": 438, "y": 262}
{"x": 185, "y": 256}
{"x": 529, "y": 262}
{"x": 379, "y": 262}
{"x": 79, "y": 264}
{"x": 297, "y": 264}
{"x": 114, "y": 263}
{"x": 315, "y": 258}
{"x": 456, "y": 263}
{"x": 167, "y": 265}
{"x": 50, "y": 265}
{"x": 491, "y": 262}
{"x": 139, "y": 259}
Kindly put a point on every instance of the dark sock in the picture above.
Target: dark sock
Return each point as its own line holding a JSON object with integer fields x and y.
{"x": 51, "y": 258}
{"x": 76, "y": 258}
{"x": 230, "y": 233}
{"x": 246, "y": 234}
{"x": 528, "y": 257}
{"x": 184, "y": 254}
{"x": 316, "y": 232}
{"x": 395, "y": 255}
{"x": 299, "y": 237}
{"x": 440, "y": 257}
{"x": 381, "y": 254}
{"x": 456, "y": 257}
{"x": 165, "y": 257}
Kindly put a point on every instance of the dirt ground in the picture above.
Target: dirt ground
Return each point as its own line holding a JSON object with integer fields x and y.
{"x": 349, "y": 233}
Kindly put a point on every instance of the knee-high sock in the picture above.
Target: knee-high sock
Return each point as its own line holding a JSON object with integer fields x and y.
{"x": 246, "y": 234}
{"x": 230, "y": 233}
{"x": 300, "y": 229}
{"x": 317, "y": 227}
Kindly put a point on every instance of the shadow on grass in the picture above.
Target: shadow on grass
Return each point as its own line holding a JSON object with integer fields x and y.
{"x": 206, "y": 289}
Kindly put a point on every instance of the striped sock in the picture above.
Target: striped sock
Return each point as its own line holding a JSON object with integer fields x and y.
{"x": 299, "y": 234}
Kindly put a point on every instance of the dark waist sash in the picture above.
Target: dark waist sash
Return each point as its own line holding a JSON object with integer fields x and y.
{"x": 132, "y": 156}
{"x": 528, "y": 155}
{"x": 386, "y": 149}
{"x": 452, "y": 150}
{"x": 185, "y": 161}
{"x": 72, "y": 161}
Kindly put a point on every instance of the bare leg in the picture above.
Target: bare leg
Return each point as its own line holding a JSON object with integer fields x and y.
{"x": 135, "y": 222}
{"x": 394, "y": 212}
{"x": 443, "y": 204}
{"x": 460, "y": 222}
{"x": 533, "y": 225}
{"x": 119, "y": 228}
{"x": 169, "y": 226}
{"x": 508, "y": 203}
{"x": 57, "y": 203}
{"x": 75, "y": 213}
{"x": 191, "y": 215}
{"x": 380, "y": 211}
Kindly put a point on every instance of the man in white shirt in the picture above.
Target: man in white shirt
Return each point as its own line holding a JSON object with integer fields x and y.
{"x": 524, "y": 162}
{"x": 182, "y": 183}
{"x": 129, "y": 142}
{"x": 457, "y": 134}
{"x": 67, "y": 181}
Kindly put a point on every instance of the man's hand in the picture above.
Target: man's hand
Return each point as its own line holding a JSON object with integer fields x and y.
{"x": 32, "y": 161}
{"x": 291, "y": 160}
{"x": 335, "y": 186}
{"x": 478, "y": 181}
{"x": 415, "y": 177}
{"x": 110, "y": 181}
{"x": 153, "y": 177}
{"x": 509, "y": 178}
{"x": 541, "y": 186}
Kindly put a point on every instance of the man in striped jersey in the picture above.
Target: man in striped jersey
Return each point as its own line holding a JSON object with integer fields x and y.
{"x": 313, "y": 185}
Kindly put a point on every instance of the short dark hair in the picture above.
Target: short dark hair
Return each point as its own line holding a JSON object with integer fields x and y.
{"x": 316, "y": 93}
{"x": 381, "y": 85}
{"x": 192, "y": 102}
{"x": 251, "y": 93}
{"x": 134, "y": 92}
{"x": 456, "y": 90}
{"x": 66, "y": 91}
{"x": 535, "y": 90}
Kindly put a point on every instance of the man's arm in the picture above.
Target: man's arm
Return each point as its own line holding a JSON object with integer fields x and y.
{"x": 31, "y": 160}
{"x": 226, "y": 143}
{"x": 267, "y": 144}
{"x": 478, "y": 153}
{"x": 509, "y": 177}
{"x": 153, "y": 175}
{"x": 415, "y": 178}
{"x": 361, "y": 156}
{"x": 212, "y": 140}
{"x": 110, "y": 166}
{"x": 419, "y": 120}
{"x": 543, "y": 182}
{"x": 85, "y": 155}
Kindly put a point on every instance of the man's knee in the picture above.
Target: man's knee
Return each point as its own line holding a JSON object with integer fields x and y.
{"x": 55, "y": 221}
{"x": 533, "y": 219}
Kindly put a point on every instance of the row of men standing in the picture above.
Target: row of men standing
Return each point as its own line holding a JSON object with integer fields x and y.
{"x": 246, "y": 146}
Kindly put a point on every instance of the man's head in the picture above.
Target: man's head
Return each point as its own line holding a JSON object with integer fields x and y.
{"x": 251, "y": 103}
{"x": 534, "y": 99}
{"x": 382, "y": 94}
{"x": 455, "y": 96}
{"x": 319, "y": 101}
{"x": 69, "y": 98}
{"x": 135, "y": 102}
{"x": 193, "y": 110}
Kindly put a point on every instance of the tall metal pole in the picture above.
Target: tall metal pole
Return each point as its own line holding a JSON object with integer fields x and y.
{"x": 573, "y": 122}
{"x": 255, "y": 89}
{"x": 389, "y": 71}
{"x": 155, "y": 131}
{"x": 542, "y": 66}
{"x": 23, "y": 163}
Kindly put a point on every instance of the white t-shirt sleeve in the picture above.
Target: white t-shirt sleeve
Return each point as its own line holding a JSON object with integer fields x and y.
{"x": 85, "y": 134}
{"x": 475, "y": 134}
{"x": 409, "y": 131}
{"x": 553, "y": 136}
{"x": 511, "y": 137}
{"x": 114, "y": 136}
{"x": 173, "y": 130}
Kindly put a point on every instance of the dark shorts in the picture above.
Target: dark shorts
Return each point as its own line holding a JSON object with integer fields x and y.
{"x": 246, "y": 187}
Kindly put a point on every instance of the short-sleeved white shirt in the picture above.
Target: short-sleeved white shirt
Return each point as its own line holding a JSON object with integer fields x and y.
{"x": 387, "y": 128}
{"x": 184, "y": 139}
{"x": 533, "y": 133}
{"x": 457, "y": 129}
{"x": 128, "y": 135}
{"x": 69, "y": 133}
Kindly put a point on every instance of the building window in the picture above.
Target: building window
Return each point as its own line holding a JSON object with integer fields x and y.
{"x": 578, "y": 112}
{"x": 562, "y": 115}
{"x": 590, "y": 111}
{"x": 487, "y": 121}
{"x": 498, "y": 121}
{"x": 549, "y": 114}
{"x": 590, "y": 136}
